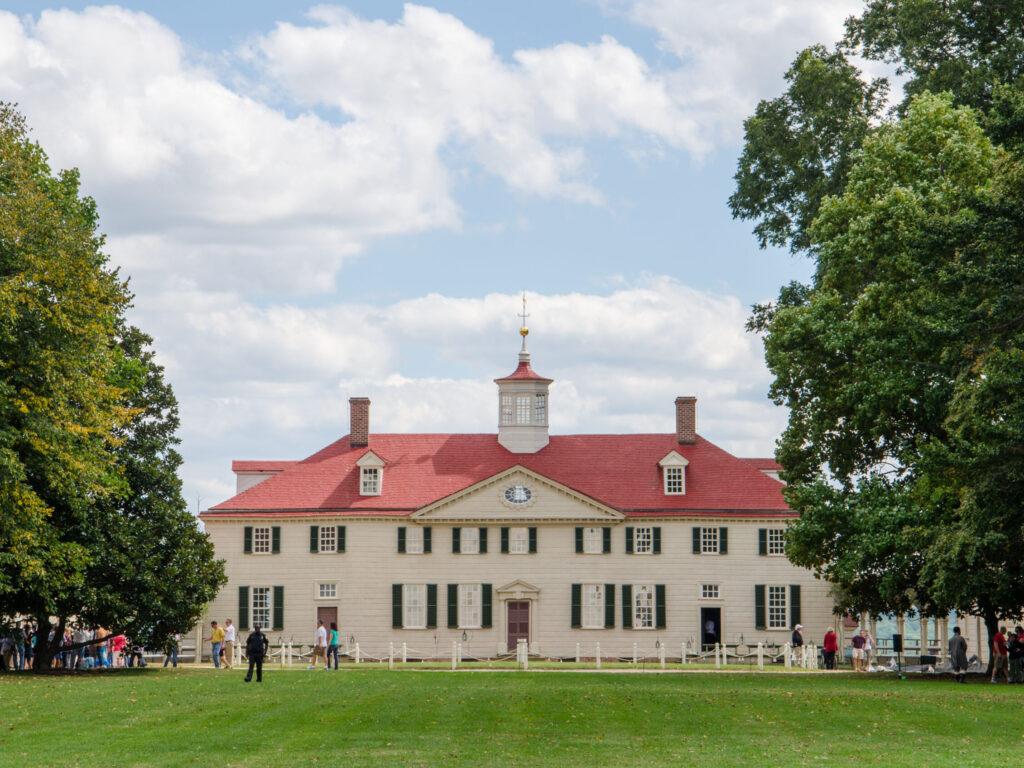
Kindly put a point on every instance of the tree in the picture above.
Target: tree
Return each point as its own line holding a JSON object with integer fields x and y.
{"x": 97, "y": 530}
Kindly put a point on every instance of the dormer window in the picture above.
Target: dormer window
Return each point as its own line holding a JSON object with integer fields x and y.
{"x": 371, "y": 474}
{"x": 673, "y": 470}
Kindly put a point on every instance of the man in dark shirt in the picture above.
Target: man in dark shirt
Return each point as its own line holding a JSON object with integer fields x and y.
{"x": 858, "y": 641}
{"x": 256, "y": 647}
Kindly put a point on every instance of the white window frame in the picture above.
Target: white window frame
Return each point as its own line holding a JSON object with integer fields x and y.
{"x": 261, "y": 611}
{"x": 540, "y": 403}
{"x": 469, "y": 541}
{"x": 710, "y": 592}
{"x": 508, "y": 409}
{"x": 643, "y": 540}
{"x": 593, "y": 541}
{"x": 524, "y": 409}
{"x": 776, "y": 598}
{"x": 370, "y": 481}
{"x": 675, "y": 481}
{"x": 414, "y": 606}
{"x": 709, "y": 540}
{"x": 262, "y": 538}
{"x": 471, "y": 606}
{"x": 327, "y": 590}
{"x": 644, "y": 606}
{"x": 777, "y": 542}
{"x": 519, "y": 541}
{"x": 414, "y": 540}
{"x": 328, "y": 539}
{"x": 592, "y": 606}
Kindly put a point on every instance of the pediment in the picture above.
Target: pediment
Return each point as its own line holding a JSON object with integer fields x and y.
{"x": 547, "y": 501}
{"x": 518, "y": 589}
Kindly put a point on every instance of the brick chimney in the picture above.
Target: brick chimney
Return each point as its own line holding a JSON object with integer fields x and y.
{"x": 359, "y": 421}
{"x": 686, "y": 420}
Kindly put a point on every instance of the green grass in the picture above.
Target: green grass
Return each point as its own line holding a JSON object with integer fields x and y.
{"x": 353, "y": 718}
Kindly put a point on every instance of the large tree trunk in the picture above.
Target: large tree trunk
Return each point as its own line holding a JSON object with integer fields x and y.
{"x": 42, "y": 659}
{"x": 991, "y": 626}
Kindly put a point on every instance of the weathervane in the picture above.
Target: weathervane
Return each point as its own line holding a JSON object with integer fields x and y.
{"x": 524, "y": 331}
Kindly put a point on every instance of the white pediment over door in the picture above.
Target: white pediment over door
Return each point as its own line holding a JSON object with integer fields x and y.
{"x": 518, "y": 494}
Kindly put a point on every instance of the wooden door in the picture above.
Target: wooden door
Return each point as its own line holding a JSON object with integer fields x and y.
{"x": 518, "y": 622}
{"x": 327, "y": 614}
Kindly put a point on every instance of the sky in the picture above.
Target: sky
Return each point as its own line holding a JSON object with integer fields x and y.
{"x": 315, "y": 202}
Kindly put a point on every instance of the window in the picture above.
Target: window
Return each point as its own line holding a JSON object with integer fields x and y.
{"x": 328, "y": 538}
{"x": 709, "y": 591}
{"x": 261, "y": 604}
{"x": 709, "y": 541}
{"x": 519, "y": 541}
{"x": 777, "y": 608}
{"x": 541, "y": 407}
{"x": 643, "y": 540}
{"x": 776, "y": 541}
{"x": 593, "y": 541}
{"x": 593, "y": 606}
{"x": 674, "y": 480}
{"x": 327, "y": 591}
{"x": 469, "y": 541}
{"x": 415, "y": 606}
{"x": 506, "y": 409}
{"x": 524, "y": 413}
{"x": 369, "y": 481}
{"x": 261, "y": 544}
{"x": 643, "y": 606}
{"x": 414, "y": 540}
{"x": 470, "y": 604}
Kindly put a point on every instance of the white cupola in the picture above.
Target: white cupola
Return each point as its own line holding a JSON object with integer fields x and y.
{"x": 523, "y": 404}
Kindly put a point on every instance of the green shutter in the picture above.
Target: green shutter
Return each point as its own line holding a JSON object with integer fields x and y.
{"x": 762, "y": 541}
{"x": 759, "y": 611}
{"x": 485, "y": 614}
{"x": 657, "y": 540}
{"x": 576, "y": 620}
{"x": 723, "y": 541}
{"x": 794, "y": 604}
{"x": 426, "y": 540}
{"x": 659, "y": 606}
{"x": 483, "y": 541}
{"x": 247, "y": 540}
{"x": 243, "y": 608}
{"x": 431, "y": 605}
{"x": 278, "y": 609}
{"x": 275, "y": 540}
{"x": 607, "y": 535}
{"x": 696, "y": 539}
{"x": 314, "y": 538}
{"x": 456, "y": 540}
{"x": 341, "y": 539}
{"x": 401, "y": 539}
{"x": 609, "y": 606}
{"x": 504, "y": 540}
{"x": 533, "y": 540}
{"x": 627, "y": 606}
{"x": 453, "y": 606}
{"x": 396, "y": 606}
{"x": 579, "y": 541}
{"x": 629, "y": 540}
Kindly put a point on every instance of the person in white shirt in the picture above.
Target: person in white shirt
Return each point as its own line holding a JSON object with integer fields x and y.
{"x": 229, "y": 642}
{"x": 320, "y": 646}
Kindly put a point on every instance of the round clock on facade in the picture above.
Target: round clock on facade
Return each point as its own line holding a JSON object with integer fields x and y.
{"x": 517, "y": 494}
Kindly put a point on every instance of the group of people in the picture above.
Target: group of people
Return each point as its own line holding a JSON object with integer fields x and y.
{"x": 861, "y": 645}
{"x": 1008, "y": 655}
{"x": 81, "y": 648}
{"x": 222, "y": 642}
{"x": 325, "y": 645}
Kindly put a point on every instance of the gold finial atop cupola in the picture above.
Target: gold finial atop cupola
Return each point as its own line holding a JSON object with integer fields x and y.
{"x": 524, "y": 331}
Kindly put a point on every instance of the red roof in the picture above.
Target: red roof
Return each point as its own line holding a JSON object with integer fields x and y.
{"x": 261, "y": 466}
{"x": 620, "y": 471}
{"x": 765, "y": 465}
{"x": 524, "y": 371}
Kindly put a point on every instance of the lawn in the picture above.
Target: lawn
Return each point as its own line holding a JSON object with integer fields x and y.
{"x": 354, "y": 717}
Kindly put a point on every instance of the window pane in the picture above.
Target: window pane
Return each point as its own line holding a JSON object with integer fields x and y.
{"x": 593, "y": 606}
{"x": 673, "y": 479}
{"x": 643, "y": 606}
{"x": 469, "y": 539}
{"x": 593, "y": 541}
{"x": 328, "y": 542}
{"x": 524, "y": 413}
{"x": 776, "y": 541}
{"x": 777, "y": 607}
{"x": 260, "y": 540}
{"x": 506, "y": 409}
{"x": 541, "y": 403}
{"x": 261, "y": 606}
{"x": 328, "y": 591}
{"x": 709, "y": 540}
{"x": 709, "y": 591}
{"x": 518, "y": 541}
{"x": 414, "y": 540}
{"x": 414, "y": 606}
{"x": 370, "y": 481}
{"x": 469, "y": 606}
{"x": 643, "y": 540}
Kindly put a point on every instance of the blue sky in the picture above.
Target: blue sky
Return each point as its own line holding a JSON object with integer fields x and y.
{"x": 317, "y": 202}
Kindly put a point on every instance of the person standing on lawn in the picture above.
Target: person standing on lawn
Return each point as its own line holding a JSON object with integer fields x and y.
{"x": 320, "y": 646}
{"x": 216, "y": 639}
{"x": 958, "y": 655}
{"x": 999, "y": 655}
{"x": 857, "y": 642}
{"x": 829, "y": 648}
{"x": 171, "y": 649}
{"x": 869, "y": 646}
{"x": 256, "y": 647}
{"x": 332, "y": 644}
{"x": 229, "y": 642}
{"x": 1015, "y": 649}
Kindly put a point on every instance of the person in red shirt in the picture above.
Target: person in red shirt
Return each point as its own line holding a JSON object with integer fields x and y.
{"x": 999, "y": 658}
{"x": 829, "y": 648}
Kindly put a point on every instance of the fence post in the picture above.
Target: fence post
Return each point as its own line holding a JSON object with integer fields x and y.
{"x": 788, "y": 655}
{"x": 718, "y": 657}
{"x": 597, "y": 655}
{"x": 661, "y": 655}
{"x": 282, "y": 652}
{"x": 454, "y": 658}
{"x": 682, "y": 653}
{"x": 577, "y": 653}
{"x": 760, "y": 655}
{"x": 725, "y": 655}
{"x": 391, "y": 655}
{"x": 634, "y": 654}
{"x": 358, "y": 654}
{"x": 405, "y": 653}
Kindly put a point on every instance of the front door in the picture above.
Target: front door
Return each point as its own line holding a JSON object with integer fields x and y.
{"x": 518, "y": 622}
{"x": 710, "y": 627}
{"x": 327, "y": 614}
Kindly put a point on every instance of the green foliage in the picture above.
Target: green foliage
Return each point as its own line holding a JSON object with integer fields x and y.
{"x": 94, "y": 527}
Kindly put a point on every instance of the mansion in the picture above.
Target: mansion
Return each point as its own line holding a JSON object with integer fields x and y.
{"x": 558, "y": 540}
